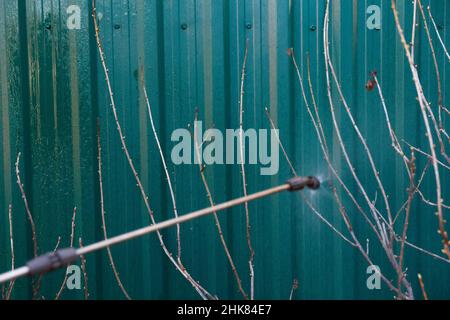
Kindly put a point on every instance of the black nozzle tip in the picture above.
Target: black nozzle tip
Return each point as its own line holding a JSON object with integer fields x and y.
{"x": 314, "y": 183}
{"x": 300, "y": 183}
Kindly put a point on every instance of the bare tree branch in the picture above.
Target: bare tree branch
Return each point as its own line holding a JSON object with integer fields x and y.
{"x": 200, "y": 290}
{"x": 422, "y": 286}
{"x": 424, "y": 110}
{"x": 244, "y": 179}
{"x": 102, "y": 208}
{"x": 84, "y": 269}
{"x": 293, "y": 289}
{"x": 438, "y": 33}
{"x": 166, "y": 171}
{"x": 216, "y": 217}
{"x": 72, "y": 240}
{"x": 36, "y": 283}
{"x": 11, "y": 241}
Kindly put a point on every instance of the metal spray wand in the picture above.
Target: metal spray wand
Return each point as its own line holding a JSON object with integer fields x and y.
{"x": 64, "y": 257}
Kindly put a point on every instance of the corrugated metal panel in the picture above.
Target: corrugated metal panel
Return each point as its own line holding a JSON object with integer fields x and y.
{"x": 52, "y": 90}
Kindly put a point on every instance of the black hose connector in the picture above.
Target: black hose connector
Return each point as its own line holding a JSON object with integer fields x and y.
{"x": 52, "y": 261}
{"x": 300, "y": 183}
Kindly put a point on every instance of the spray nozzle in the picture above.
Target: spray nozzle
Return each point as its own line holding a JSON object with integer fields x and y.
{"x": 300, "y": 183}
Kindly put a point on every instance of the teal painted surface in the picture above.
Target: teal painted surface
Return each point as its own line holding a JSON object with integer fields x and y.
{"x": 52, "y": 91}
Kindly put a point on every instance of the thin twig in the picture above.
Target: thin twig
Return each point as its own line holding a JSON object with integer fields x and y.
{"x": 318, "y": 124}
{"x": 443, "y": 165}
{"x": 422, "y": 286}
{"x": 84, "y": 269}
{"x": 438, "y": 80}
{"x": 293, "y": 289}
{"x": 166, "y": 171}
{"x": 426, "y": 252}
{"x": 294, "y": 172}
{"x": 102, "y": 208}
{"x": 375, "y": 213}
{"x": 36, "y": 283}
{"x": 216, "y": 217}
{"x": 367, "y": 150}
{"x": 244, "y": 179}
{"x": 11, "y": 241}
{"x": 423, "y": 108}
{"x": 413, "y": 33}
{"x": 27, "y": 208}
{"x": 438, "y": 34}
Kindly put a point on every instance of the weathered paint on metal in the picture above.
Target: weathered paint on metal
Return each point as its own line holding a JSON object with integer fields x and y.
{"x": 52, "y": 90}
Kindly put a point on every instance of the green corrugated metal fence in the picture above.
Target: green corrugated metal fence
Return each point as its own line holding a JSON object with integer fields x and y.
{"x": 52, "y": 90}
